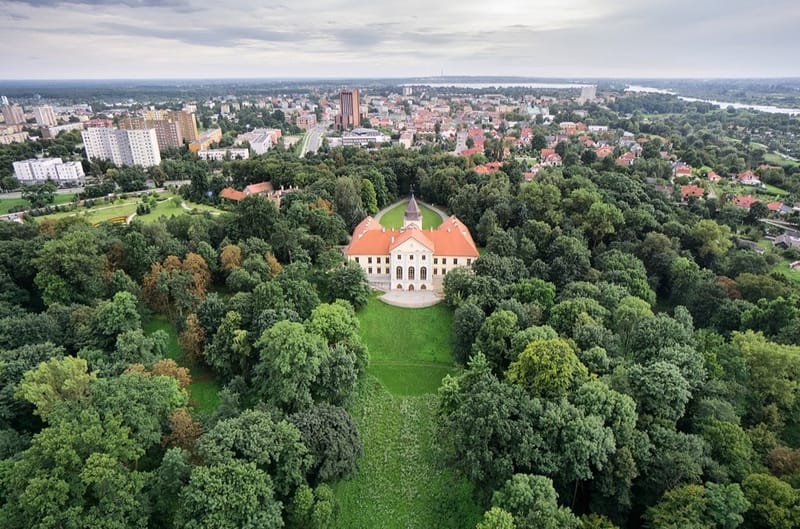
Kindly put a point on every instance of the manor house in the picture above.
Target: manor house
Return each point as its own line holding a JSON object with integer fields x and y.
{"x": 411, "y": 258}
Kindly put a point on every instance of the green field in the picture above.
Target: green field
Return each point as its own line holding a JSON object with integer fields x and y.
{"x": 204, "y": 389}
{"x": 7, "y": 203}
{"x": 774, "y": 159}
{"x": 394, "y": 217}
{"x": 401, "y": 483}
{"x": 103, "y": 211}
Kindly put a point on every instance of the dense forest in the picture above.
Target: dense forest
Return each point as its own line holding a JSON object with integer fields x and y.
{"x": 624, "y": 363}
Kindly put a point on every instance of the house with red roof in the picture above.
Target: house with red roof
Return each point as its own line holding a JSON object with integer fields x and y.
{"x": 488, "y": 168}
{"x": 411, "y": 258}
{"x": 682, "y": 170}
{"x": 713, "y": 177}
{"x": 748, "y": 178}
{"x": 604, "y": 150}
{"x": 745, "y": 201}
{"x": 626, "y": 160}
{"x": 692, "y": 191}
{"x": 775, "y": 206}
{"x": 264, "y": 189}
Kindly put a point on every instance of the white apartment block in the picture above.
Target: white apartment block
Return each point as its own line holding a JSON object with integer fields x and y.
{"x": 220, "y": 154}
{"x": 38, "y": 171}
{"x": 123, "y": 147}
{"x": 45, "y": 117}
{"x": 362, "y": 137}
{"x": 260, "y": 140}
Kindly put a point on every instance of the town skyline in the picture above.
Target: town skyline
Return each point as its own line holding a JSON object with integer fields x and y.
{"x": 195, "y": 39}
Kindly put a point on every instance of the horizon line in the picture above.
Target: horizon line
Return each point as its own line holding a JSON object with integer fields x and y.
{"x": 413, "y": 77}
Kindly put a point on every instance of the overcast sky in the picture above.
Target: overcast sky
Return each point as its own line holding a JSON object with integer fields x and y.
{"x": 51, "y": 39}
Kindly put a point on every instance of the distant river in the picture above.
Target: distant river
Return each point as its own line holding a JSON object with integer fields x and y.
{"x": 770, "y": 109}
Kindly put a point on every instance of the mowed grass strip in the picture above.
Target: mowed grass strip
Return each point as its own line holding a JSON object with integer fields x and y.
{"x": 393, "y": 219}
{"x": 204, "y": 389}
{"x": 401, "y": 483}
{"x": 398, "y": 334}
{"x": 7, "y": 203}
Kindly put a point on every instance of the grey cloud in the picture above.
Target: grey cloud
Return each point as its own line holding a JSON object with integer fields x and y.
{"x": 109, "y": 3}
{"x": 216, "y": 37}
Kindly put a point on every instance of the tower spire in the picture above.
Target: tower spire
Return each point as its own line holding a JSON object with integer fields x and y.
{"x": 412, "y": 215}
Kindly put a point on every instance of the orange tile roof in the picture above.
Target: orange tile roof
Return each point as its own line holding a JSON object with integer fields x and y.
{"x": 774, "y": 206}
{"x": 256, "y": 189}
{"x": 692, "y": 191}
{"x": 745, "y": 201}
{"x": 232, "y": 194}
{"x": 450, "y": 238}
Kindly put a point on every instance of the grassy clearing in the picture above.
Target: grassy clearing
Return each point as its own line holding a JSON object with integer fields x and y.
{"x": 204, "y": 390}
{"x": 409, "y": 349}
{"x": 402, "y": 483}
{"x": 102, "y": 211}
{"x": 775, "y": 159}
{"x": 7, "y": 203}
{"x": 394, "y": 217}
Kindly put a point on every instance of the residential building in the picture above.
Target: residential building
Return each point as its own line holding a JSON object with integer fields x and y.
{"x": 362, "y": 137}
{"x": 407, "y": 138}
{"x": 691, "y": 191}
{"x": 222, "y": 154}
{"x": 37, "y": 171}
{"x": 260, "y": 140}
{"x": 588, "y": 93}
{"x": 13, "y": 114}
{"x": 52, "y": 132}
{"x": 411, "y": 258}
{"x": 45, "y": 117}
{"x": 205, "y": 140}
{"x": 186, "y": 122}
{"x": 349, "y": 110}
{"x": 168, "y": 133}
{"x": 263, "y": 189}
{"x": 306, "y": 121}
{"x": 8, "y": 138}
{"x": 748, "y": 178}
{"x": 123, "y": 147}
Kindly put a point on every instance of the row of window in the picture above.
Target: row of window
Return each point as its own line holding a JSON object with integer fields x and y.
{"x": 423, "y": 272}
{"x": 411, "y": 257}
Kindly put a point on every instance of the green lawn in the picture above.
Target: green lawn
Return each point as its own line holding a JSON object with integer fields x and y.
{"x": 774, "y": 159}
{"x": 401, "y": 483}
{"x": 394, "y": 217}
{"x": 204, "y": 390}
{"x": 103, "y": 211}
{"x": 7, "y": 203}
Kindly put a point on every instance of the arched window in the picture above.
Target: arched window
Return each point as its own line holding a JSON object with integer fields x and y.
{"x": 423, "y": 274}
{"x": 399, "y": 287}
{"x": 411, "y": 273}
{"x": 399, "y": 273}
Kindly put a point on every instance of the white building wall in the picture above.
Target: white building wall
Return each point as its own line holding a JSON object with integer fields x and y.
{"x": 37, "y": 171}
{"x": 123, "y": 147}
{"x": 45, "y": 117}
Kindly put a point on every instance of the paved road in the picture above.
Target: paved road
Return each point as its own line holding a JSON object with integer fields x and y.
{"x": 313, "y": 139}
{"x": 76, "y": 190}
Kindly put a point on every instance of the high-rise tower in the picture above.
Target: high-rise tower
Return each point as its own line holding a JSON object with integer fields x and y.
{"x": 349, "y": 110}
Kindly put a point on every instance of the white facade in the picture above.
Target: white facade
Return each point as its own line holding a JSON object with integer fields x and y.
{"x": 361, "y": 137}
{"x": 220, "y": 154}
{"x": 123, "y": 147}
{"x": 260, "y": 140}
{"x": 45, "y": 117}
{"x": 37, "y": 171}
